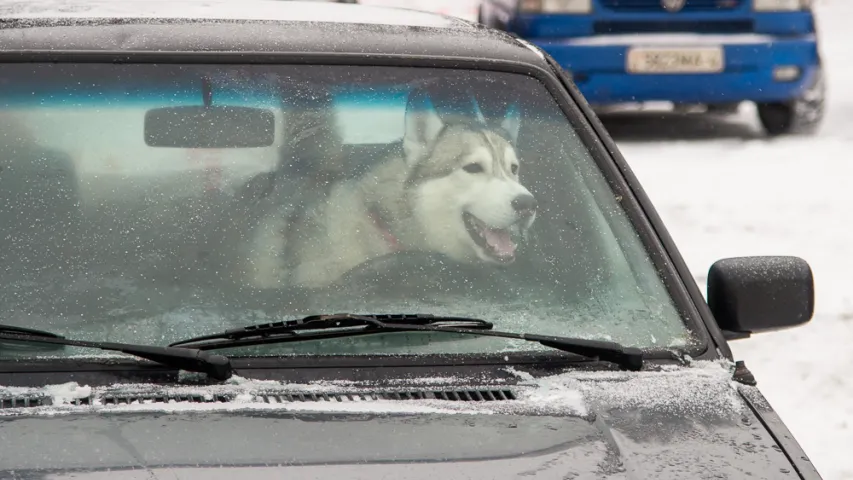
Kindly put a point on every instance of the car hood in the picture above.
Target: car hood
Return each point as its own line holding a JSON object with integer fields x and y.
{"x": 681, "y": 423}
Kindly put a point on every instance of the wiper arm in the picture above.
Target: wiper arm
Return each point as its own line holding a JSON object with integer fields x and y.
{"x": 4, "y": 329}
{"x": 348, "y": 325}
{"x": 217, "y": 367}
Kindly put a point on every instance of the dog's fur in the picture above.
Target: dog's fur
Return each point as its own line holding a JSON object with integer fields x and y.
{"x": 422, "y": 199}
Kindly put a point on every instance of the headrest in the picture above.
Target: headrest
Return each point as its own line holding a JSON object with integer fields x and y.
{"x": 312, "y": 145}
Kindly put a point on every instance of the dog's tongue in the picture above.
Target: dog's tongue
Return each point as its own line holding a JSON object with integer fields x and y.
{"x": 500, "y": 241}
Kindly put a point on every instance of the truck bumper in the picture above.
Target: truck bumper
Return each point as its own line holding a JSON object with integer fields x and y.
{"x": 597, "y": 65}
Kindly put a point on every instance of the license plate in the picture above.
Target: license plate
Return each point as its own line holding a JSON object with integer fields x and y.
{"x": 675, "y": 60}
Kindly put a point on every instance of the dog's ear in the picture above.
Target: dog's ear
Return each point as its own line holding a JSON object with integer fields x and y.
{"x": 422, "y": 127}
{"x": 511, "y": 122}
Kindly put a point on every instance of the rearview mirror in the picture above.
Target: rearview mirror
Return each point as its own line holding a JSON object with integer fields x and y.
{"x": 209, "y": 127}
{"x": 760, "y": 294}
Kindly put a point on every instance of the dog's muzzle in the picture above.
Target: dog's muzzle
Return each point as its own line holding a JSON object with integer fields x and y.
{"x": 524, "y": 206}
{"x": 498, "y": 243}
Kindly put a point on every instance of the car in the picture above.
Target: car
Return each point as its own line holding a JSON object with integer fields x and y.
{"x": 700, "y": 55}
{"x": 281, "y": 239}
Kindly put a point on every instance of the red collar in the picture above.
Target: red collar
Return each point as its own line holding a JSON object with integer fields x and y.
{"x": 382, "y": 226}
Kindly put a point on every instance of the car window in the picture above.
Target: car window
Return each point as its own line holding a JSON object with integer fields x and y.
{"x": 149, "y": 203}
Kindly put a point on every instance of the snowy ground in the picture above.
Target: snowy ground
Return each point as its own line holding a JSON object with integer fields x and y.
{"x": 725, "y": 191}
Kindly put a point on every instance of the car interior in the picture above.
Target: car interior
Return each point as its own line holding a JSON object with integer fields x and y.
{"x": 575, "y": 247}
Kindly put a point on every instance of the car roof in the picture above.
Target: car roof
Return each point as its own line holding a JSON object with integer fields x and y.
{"x": 264, "y": 26}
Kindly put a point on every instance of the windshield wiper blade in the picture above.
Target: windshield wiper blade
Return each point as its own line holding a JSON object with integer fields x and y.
{"x": 4, "y": 329}
{"x": 217, "y": 367}
{"x": 336, "y": 321}
{"x": 347, "y": 325}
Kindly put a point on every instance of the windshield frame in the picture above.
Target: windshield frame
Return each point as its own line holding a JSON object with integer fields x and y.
{"x": 637, "y": 207}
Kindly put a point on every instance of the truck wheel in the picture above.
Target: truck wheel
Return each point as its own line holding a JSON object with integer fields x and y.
{"x": 800, "y": 116}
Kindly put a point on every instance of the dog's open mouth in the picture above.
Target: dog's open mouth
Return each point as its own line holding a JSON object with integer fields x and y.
{"x": 497, "y": 243}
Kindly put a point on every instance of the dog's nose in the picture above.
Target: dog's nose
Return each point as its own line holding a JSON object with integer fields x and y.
{"x": 524, "y": 203}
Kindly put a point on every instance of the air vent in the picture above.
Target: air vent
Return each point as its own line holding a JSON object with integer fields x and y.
{"x": 113, "y": 399}
{"x": 274, "y": 397}
{"x": 24, "y": 402}
{"x": 475, "y": 395}
{"x": 447, "y": 395}
{"x": 36, "y": 401}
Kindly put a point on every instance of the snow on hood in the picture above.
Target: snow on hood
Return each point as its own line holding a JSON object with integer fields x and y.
{"x": 701, "y": 388}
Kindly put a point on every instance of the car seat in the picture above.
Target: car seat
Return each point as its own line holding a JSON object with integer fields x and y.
{"x": 40, "y": 214}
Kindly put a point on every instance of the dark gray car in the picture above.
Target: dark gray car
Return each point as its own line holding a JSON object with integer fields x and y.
{"x": 513, "y": 305}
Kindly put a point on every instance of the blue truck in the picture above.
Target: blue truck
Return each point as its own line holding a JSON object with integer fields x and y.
{"x": 714, "y": 54}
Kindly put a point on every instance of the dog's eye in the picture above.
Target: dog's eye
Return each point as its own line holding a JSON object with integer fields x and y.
{"x": 473, "y": 168}
{"x": 514, "y": 168}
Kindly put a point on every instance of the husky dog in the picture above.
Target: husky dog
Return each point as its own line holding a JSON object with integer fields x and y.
{"x": 453, "y": 189}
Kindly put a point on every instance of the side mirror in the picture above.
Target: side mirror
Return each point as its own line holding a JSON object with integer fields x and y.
{"x": 760, "y": 294}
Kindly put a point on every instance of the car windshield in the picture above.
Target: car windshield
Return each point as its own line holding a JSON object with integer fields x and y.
{"x": 149, "y": 203}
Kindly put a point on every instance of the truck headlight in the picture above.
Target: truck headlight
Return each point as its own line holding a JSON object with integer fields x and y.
{"x": 781, "y": 5}
{"x": 555, "y": 6}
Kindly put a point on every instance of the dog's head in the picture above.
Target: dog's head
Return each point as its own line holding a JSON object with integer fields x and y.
{"x": 463, "y": 185}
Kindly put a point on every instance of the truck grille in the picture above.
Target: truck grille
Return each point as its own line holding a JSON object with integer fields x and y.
{"x": 672, "y": 26}
{"x": 657, "y": 5}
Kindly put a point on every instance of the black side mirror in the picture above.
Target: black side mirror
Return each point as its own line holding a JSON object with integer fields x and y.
{"x": 760, "y": 294}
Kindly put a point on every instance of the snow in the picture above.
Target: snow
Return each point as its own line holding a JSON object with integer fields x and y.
{"x": 67, "y": 392}
{"x": 558, "y": 395}
{"x": 732, "y": 193}
{"x": 677, "y": 390}
{"x": 532, "y": 47}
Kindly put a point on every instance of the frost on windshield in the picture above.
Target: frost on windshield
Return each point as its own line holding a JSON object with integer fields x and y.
{"x": 151, "y": 203}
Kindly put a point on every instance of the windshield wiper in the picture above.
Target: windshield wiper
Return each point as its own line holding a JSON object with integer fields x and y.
{"x": 260, "y": 334}
{"x": 4, "y": 329}
{"x": 348, "y": 325}
{"x": 217, "y": 367}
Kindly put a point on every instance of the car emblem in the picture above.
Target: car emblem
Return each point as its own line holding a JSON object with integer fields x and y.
{"x": 673, "y": 5}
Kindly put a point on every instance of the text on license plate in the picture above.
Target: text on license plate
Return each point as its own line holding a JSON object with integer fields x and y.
{"x": 675, "y": 60}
